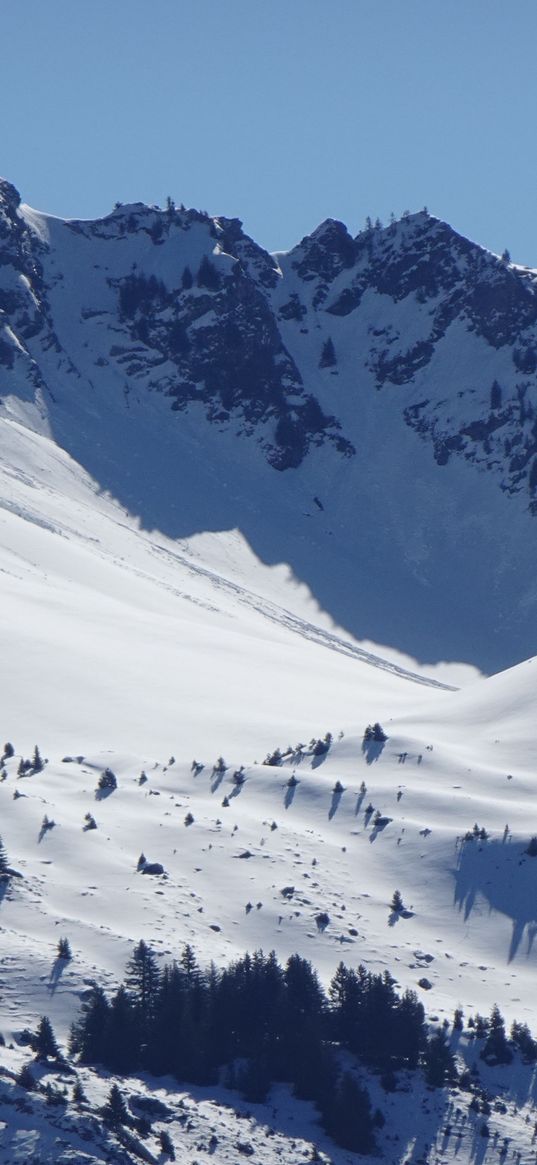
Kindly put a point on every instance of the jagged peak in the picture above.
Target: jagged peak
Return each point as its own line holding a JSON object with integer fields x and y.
{"x": 9, "y": 194}
{"x": 328, "y": 229}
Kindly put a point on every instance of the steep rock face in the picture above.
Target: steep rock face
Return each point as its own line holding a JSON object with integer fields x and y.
{"x": 190, "y": 307}
{"x": 391, "y": 378}
{"x": 449, "y": 325}
{"x": 176, "y": 307}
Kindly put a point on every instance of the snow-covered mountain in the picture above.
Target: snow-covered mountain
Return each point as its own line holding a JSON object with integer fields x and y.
{"x": 225, "y": 479}
{"x": 360, "y": 409}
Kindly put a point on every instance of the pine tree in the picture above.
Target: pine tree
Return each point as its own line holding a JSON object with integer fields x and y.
{"x": 496, "y": 1049}
{"x": 115, "y": 1111}
{"x": 25, "y": 1078}
{"x": 208, "y": 275}
{"x": 79, "y": 1096}
{"x": 439, "y": 1061}
{"x": 123, "y": 1034}
{"x": 328, "y": 354}
{"x": 107, "y": 781}
{"x": 397, "y": 904}
{"x": 495, "y": 396}
{"x": 142, "y": 979}
{"x": 37, "y": 761}
{"x": 45, "y": 1044}
{"x": 4, "y": 861}
{"x": 64, "y": 949}
{"x": 348, "y": 1117}
{"x": 88, "y": 1035}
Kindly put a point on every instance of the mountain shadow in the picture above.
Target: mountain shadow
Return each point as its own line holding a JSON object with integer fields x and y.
{"x": 504, "y": 875}
{"x": 181, "y": 476}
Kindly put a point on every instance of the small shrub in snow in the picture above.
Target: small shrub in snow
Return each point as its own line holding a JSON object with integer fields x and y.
{"x": 107, "y": 781}
{"x": 189, "y": 819}
{"x": 9, "y": 750}
{"x": 79, "y": 1096}
{"x": 273, "y": 758}
{"x": 37, "y": 761}
{"x": 90, "y": 822}
{"x": 64, "y": 949}
{"x": 396, "y": 903}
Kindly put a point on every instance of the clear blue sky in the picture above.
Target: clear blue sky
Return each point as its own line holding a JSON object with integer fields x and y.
{"x": 282, "y": 112}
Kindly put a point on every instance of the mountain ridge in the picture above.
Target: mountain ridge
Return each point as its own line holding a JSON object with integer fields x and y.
{"x": 340, "y": 363}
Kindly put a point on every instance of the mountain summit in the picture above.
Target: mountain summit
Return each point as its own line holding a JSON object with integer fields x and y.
{"x": 362, "y": 409}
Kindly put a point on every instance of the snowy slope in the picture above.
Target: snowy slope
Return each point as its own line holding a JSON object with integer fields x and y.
{"x": 166, "y": 594}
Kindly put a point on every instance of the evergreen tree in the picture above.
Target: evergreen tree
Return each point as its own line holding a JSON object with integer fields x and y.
{"x": 523, "y": 1040}
{"x": 79, "y": 1096}
{"x": 439, "y": 1061}
{"x": 496, "y": 1049}
{"x": 123, "y": 1034}
{"x": 26, "y": 1078}
{"x": 115, "y": 1111}
{"x": 328, "y": 354}
{"x": 142, "y": 980}
{"x": 37, "y": 761}
{"x": 208, "y": 275}
{"x": 4, "y": 861}
{"x": 45, "y": 1044}
{"x": 64, "y": 949}
{"x": 458, "y": 1020}
{"x": 347, "y": 1116}
{"x": 409, "y": 1033}
{"x": 495, "y": 396}
{"x": 88, "y": 1035}
{"x": 189, "y": 964}
{"x": 396, "y": 903}
{"x": 107, "y": 781}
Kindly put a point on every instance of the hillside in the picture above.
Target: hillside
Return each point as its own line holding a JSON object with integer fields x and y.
{"x": 223, "y": 536}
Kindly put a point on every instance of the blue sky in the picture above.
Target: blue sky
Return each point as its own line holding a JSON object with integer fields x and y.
{"x": 281, "y": 112}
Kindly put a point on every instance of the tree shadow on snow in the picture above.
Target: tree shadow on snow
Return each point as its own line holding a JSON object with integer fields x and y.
{"x": 334, "y": 804}
{"x": 379, "y": 826}
{"x": 56, "y": 973}
{"x": 506, "y": 877}
{"x": 372, "y": 750}
{"x": 359, "y": 803}
{"x": 290, "y": 791}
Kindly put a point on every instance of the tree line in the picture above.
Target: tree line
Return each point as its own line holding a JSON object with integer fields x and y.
{"x": 259, "y": 1022}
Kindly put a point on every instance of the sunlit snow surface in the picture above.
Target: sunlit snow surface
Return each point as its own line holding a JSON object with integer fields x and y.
{"x": 122, "y": 648}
